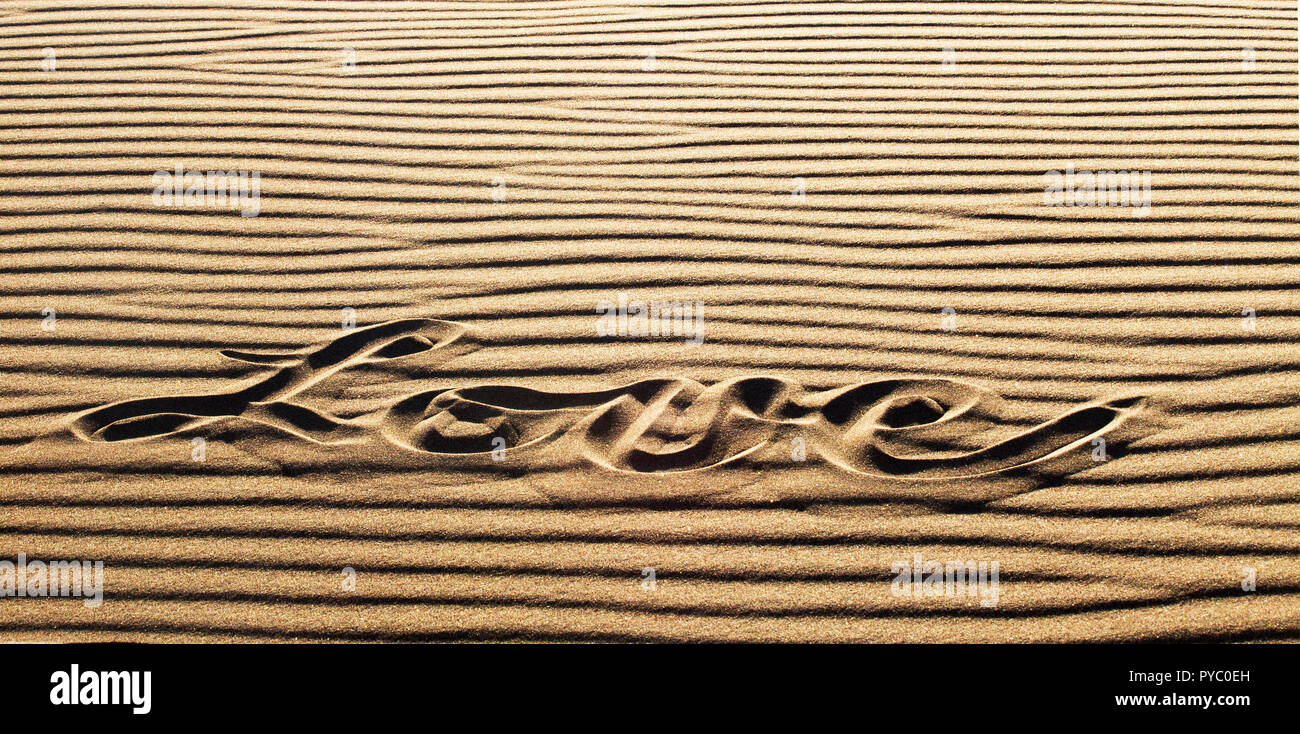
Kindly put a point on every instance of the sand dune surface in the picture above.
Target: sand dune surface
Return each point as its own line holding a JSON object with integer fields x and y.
{"x": 580, "y": 320}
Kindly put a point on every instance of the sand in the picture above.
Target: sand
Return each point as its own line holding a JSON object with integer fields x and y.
{"x": 397, "y": 402}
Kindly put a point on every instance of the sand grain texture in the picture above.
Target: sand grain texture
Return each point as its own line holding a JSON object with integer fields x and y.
{"x": 470, "y": 179}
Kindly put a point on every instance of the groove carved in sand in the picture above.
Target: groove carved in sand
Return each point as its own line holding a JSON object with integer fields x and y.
{"x": 902, "y": 429}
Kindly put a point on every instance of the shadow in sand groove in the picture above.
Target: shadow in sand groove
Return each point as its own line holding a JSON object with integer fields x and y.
{"x": 906, "y": 430}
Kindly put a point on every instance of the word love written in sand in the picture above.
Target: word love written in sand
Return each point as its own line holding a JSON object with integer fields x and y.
{"x": 904, "y": 430}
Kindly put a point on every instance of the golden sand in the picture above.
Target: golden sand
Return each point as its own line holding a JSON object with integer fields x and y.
{"x": 381, "y": 406}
